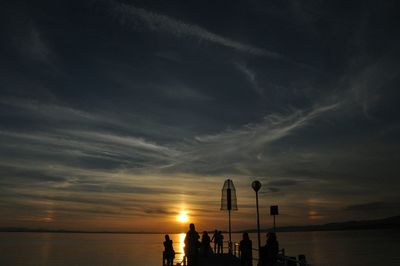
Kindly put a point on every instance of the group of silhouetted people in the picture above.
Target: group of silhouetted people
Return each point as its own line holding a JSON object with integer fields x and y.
{"x": 268, "y": 253}
{"x": 218, "y": 239}
{"x": 194, "y": 247}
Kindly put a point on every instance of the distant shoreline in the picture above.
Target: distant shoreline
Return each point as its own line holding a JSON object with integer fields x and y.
{"x": 387, "y": 223}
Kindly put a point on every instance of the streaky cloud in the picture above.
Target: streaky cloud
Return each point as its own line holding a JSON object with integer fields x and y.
{"x": 237, "y": 151}
{"x": 162, "y": 23}
{"x": 250, "y": 77}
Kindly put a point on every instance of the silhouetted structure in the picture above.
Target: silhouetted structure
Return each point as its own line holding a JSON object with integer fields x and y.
{"x": 192, "y": 245}
{"x": 246, "y": 251}
{"x": 169, "y": 253}
{"x": 274, "y": 211}
{"x": 229, "y": 202}
{"x": 269, "y": 253}
{"x": 205, "y": 248}
{"x": 214, "y": 239}
{"x": 256, "y": 185}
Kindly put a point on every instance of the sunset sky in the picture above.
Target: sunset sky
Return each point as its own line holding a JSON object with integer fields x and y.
{"x": 119, "y": 115}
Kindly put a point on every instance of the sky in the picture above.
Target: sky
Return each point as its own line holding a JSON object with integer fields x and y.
{"x": 120, "y": 115}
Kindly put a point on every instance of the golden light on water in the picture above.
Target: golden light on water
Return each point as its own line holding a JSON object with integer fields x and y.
{"x": 181, "y": 247}
{"x": 182, "y": 217}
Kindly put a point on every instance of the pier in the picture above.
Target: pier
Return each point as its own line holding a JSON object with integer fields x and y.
{"x": 227, "y": 259}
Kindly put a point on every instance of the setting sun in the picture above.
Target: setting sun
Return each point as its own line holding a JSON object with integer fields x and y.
{"x": 182, "y": 217}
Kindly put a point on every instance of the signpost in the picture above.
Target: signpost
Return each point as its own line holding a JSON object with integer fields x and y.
{"x": 274, "y": 211}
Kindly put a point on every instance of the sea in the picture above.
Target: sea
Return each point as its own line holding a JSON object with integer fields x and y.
{"x": 324, "y": 248}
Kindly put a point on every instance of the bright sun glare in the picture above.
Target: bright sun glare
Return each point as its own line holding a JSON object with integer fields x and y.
{"x": 182, "y": 217}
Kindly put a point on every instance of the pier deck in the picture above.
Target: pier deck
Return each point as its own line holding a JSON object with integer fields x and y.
{"x": 219, "y": 260}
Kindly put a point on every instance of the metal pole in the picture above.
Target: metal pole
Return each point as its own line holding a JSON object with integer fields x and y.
{"x": 229, "y": 196}
{"x": 274, "y": 225}
{"x": 256, "y": 185}
{"x": 230, "y": 237}
{"x": 258, "y": 223}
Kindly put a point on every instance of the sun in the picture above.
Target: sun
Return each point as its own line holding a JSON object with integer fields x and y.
{"x": 182, "y": 217}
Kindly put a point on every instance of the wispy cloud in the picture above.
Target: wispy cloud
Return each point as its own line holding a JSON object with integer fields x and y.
{"x": 179, "y": 91}
{"x": 368, "y": 84}
{"x": 234, "y": 149}
{"x": 59, "y": 114}
{"x": 250, "y": 76}
{"x": 36, "y": 46}
{"x": 240, "y": 150}
{"x": 135, "y": 16}
{"x": 283, "y": 182}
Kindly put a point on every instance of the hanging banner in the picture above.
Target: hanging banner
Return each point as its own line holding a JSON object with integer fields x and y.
{"x": 228, "y": 199}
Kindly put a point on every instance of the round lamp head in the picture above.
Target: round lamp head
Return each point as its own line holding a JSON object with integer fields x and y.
{"x": 256, "y": 185}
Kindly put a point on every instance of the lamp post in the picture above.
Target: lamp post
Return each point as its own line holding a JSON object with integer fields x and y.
{"x": 256, "y": 185}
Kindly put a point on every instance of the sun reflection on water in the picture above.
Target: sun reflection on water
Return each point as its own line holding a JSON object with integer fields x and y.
{"x": 179, "y": 246}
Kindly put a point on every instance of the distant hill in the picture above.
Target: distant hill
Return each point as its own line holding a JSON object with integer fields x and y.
{"x": 44, "y": 230}
{"x": 386, "y": 223}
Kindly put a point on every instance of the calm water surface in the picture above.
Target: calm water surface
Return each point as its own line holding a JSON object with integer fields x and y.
{"x": 370, "y": 247}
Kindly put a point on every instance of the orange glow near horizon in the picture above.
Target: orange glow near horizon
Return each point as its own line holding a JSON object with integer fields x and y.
{"x": 182, "y": 217}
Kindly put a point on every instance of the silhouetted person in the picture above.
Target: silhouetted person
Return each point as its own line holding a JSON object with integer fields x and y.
{"x": 192, "y": 245}
{"x": 214, "y": 238}
{"x": 205, "y": 248}
{"x": 169, "y": 253}
{"x": 220, "y": 242}
{"x": 246, "y": 251}
{"x": 269, "y": 253}
{"x": 302, "y": 260}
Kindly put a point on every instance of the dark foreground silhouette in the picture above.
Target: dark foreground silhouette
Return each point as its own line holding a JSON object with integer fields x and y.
{"x": 246, "y": 251}
{"x": 200, "y": 253}
{"x": 169, "y": 253}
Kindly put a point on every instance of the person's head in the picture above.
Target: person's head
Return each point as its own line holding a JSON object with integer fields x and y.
{"x": 219, "y": 232}
{"x": 271, "y": 237}
{"x": 245, "y": 236}
{"x": 191, "y": 227}
{"x": 167, "y": 237}
{"x": 216, "y": 231}
{"x": 205, "y": 233}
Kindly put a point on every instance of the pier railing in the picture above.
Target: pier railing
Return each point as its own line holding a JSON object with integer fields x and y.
{"x": 283, "y": 259}
{"x": 177, "y": 261}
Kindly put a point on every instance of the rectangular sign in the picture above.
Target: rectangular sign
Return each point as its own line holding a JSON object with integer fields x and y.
{"x": 274, "y": 210}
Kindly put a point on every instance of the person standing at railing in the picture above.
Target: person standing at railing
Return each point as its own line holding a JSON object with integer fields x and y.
{"x": 214, "y": 239}
{"x": 220, "y": 243}
{"x": 246, "y": 251}
{"x": 205, "y": 248}
{"x": 269, "y": 253}
{"x": 192, "y": 245}
{"x": 272, "y": 248}
{"x": 169, "y": 253}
